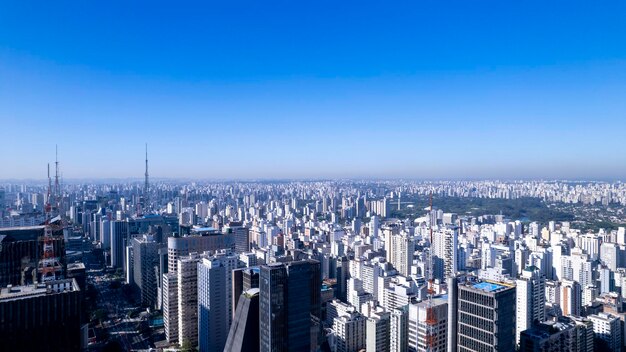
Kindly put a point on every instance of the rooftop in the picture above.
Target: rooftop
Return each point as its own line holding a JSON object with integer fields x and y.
{"x": 10, "y": 293}
{"x": 487, "y": 286}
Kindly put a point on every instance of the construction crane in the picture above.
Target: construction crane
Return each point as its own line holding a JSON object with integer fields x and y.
{"x": 431, "y": 317}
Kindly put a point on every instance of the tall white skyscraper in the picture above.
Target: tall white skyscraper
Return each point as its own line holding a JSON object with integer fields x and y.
{"x": 402, "y": 247}
{"x": 399, "y": 330}
{"x": 445, "y": 249}
{"x": 531, "y": 299}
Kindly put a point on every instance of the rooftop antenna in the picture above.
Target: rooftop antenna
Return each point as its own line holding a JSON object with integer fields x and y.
{"x": 431, "y": 318}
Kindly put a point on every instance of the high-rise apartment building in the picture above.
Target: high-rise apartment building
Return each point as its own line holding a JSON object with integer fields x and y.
{"x": 570, "y": 294}
{"x": 608, "y": 332}
{"x": 349, "y": 332}
{"x": 170, "y": 306}
{"x": 187, "y": 279}
{"x": 402, "y": 247}
{"x": 378, "y": 329}
{"x": 399, "y": 329}
{"x": 531, "y": 300}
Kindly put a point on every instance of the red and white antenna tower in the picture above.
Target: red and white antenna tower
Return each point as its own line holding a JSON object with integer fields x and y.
{"x": 431, "y": 318}
{"x": 49, "y": 265}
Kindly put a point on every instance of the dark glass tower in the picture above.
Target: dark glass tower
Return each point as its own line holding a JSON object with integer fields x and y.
{"x": 289, "y": 306}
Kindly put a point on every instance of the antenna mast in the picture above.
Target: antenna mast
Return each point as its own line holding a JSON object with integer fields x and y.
{"x": 431, "y": 318}
{"x": 49, "y": 265}
{"x": 146, "y": 186}
{"x": 57, "y": 186}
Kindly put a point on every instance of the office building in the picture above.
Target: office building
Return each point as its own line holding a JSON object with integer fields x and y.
{"x": 289, "y": 305}
{"x": 241, "y": 235}
{"x": 146, "y": 273}
{"x": 243, "y": 279}
{"x": 561, "y": 335}
{"x": 41, "y": 317}
{"x": 244, "y": 331}
{"x": 486, "y": 317}
{"x": 119, "y": 235}
{"x": 215, "y": 287}
{"x": 584, "y": 333}
{"x": 21, "y": 250}
{"x": 212, "y": 305}
{"x": 170, "y": 306}
{"x": 202, "y": 240}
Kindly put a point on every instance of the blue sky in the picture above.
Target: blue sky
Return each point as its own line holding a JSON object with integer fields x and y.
{"x": 428, "y": 89}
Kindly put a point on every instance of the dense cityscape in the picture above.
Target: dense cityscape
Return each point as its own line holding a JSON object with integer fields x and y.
{"x": 313, "y": 176}
{"x": 320, "y": 265}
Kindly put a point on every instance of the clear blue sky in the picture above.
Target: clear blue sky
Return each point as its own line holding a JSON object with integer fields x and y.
{"x": 307, "y": 89}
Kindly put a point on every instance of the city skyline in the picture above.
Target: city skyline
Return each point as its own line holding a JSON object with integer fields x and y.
{"x": 420, "y": 91}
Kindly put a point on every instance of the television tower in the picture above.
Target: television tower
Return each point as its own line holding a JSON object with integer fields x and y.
{"x": 57, "y": 186}
{"x": 146, "y": 185}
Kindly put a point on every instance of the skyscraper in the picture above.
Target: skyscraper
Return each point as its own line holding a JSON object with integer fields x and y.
{"x": 244, "y": 331}
{"x": 243, "y": 279}
{"x": 187, "y": 279}
{"x": 41, "y": 317}
{"x": 289, "y": 305}
{"x": 531, "y": 300}
{"x": 445, "y": 247}
{"x": 215, "y": 287}
{"x": 399, "y": 329}
{"x": 212, "y": 305}
{"x": 146, "y": 268}
{"x": 401, "y": 249}
{"x": 119, "y": 234}
{"x": 486, "y": 317}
